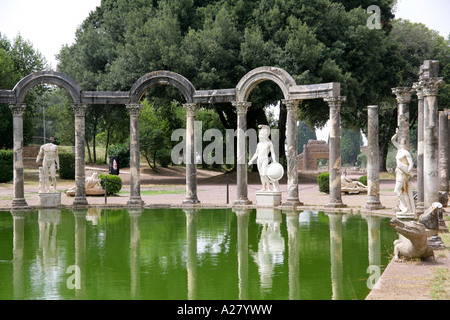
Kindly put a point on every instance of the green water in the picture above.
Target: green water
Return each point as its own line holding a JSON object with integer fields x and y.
{"x": 173, "y": 254}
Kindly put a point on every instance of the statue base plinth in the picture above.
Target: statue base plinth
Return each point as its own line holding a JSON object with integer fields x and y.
{"x": 50, "y": 200}
{"x": 268, "y": 198}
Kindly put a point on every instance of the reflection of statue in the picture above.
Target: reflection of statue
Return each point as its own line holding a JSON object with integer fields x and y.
{"x": 403, "y": 172}
{"x": 262, "y": 153}
{"x": 50, "y": 163}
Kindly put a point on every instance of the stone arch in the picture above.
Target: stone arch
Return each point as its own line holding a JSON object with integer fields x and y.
{"x": 50, "y": 77}
{"x": 283, "y": 79}
{"x": 161, "y": 78}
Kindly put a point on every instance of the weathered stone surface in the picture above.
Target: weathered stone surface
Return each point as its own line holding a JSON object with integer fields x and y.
{"x": 50, "y": 200}
{"x": 191, "y": 169}
{"x": 135, "y": 180}
{"x": 268, "y": 198}
{"x": 313, "y": 151}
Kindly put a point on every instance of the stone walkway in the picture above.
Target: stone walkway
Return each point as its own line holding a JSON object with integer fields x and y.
{"x": 400, "y": 281}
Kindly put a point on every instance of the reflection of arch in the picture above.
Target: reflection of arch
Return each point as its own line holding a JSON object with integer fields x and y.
{"x": 50, "y": 77}
{"x": 283, "y": 79}
{"x": 162, "y": 78}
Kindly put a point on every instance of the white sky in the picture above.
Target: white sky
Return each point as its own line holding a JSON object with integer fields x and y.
{"x": 49, "y": 24}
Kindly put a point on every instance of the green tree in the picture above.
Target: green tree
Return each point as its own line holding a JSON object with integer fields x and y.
{"x": 351, "y": 142}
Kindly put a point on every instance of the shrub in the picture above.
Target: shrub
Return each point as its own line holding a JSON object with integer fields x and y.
{"x": 122, "y": 151}
{"x": 363, "y": 180}
{"x": 323, "y": 180}
{"x": 114, "y": 183}
{"x": 6, "y": 165}
{"x": 67, "y": 165}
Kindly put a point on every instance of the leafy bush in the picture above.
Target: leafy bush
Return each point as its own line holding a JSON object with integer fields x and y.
{"x": 6, "y": 165}
{"x": 323, "y": 180}
{"x": 67, "y": 165}
{"x": 122, "y": 151}
{"x": 114, "y": 183}
{"x": 363, "y": 180}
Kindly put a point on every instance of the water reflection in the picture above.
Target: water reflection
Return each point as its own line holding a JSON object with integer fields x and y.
{"x": 281, "y": 254}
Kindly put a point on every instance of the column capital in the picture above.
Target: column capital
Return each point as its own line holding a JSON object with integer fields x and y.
{"x": 417, "y": 86}
{"x": 79, "y": 109}
{"x": 241, "y": 106}
{"x": 18, "y": 109}
{"x": 291, "y": 104}
{"x": 134, "y": 109}
{"x": 191, "y": 109}
{"x": 335, "y": 102}
{"x": 403, "y": 94}
{"x": 431, "y": 86}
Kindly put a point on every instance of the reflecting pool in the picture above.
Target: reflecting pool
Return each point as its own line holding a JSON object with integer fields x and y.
{"x": 183, "y": 254}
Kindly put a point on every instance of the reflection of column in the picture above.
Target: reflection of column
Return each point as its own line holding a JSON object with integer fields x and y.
{"x": 80, "y": 132}
{"x": 18, "y": 111}
{"x": 292, "y": 153}
{"x": 191, "y": 169}
{"x": 373, "y": 225}
{"x": 420, "y": 128}
{"x": 18, "y": 244}
{"x": 191, "y": 241}
{"x": 135, "y": 178}
{"x": 241, "y": 110}
{"x": 431, "y": 148}
{"x": 293, "y": 247}
{"x": 443, "y": 151}
{"x": 336, "y": 255}
{"x": 80, "y": 251}
{"x": 403, "y": 96}
{"x": 135, "y": 244}
{"x": 335, "y": 152}
{"x": 373, "y": 161}
{"x": 242, "y": 243}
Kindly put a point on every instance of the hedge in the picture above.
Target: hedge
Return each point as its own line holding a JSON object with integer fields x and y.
{"x": 114, "y": 183}
{"x": 67, "y": 166}
{"x": 6, "y": 165}
{"x": 323, "y": 180}
{"x": 363, "y": 180}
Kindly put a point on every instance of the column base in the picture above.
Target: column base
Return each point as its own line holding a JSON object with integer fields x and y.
{"x": 374, "y": 206}
{"x": 191, "y": 201}
{"x": 135, "y": 202}
{"x": 292, "y": 203}
{"x": 420, "y": 208}
{"x": 80, "y": 202}
{"x": 337, "y": 204}
{"x": 20, "y": 203}
{"x": 242, "y": 202}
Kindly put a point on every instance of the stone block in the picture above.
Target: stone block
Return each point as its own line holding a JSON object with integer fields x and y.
{"x": 49, "y": 200}
{"x": 268, "y": 198}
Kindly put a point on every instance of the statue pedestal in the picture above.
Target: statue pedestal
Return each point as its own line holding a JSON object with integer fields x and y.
{"x": 268, "y": 198}
{"x": 49, "y": 200}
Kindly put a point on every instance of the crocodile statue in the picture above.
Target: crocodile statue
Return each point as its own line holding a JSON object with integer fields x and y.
{"x": 413, "y": 242}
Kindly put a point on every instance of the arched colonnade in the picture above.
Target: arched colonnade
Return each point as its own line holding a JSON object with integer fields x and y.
{"x": 293, "y": 95}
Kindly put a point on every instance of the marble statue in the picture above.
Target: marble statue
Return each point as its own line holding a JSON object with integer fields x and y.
{"x": 350, "y": 186}
{"x": 403, "y": 173}
{"x": 50, "y": 163}
{"x": 92, "y": 184}
{"x": 264, "y": 147}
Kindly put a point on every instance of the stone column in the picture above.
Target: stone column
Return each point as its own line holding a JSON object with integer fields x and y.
{"x": 292, "y": 153}
{"x": 135, "y": 199}
{"x": 373, "y": 161}
{"x": 191, "y": 168}
{"x": 80, "y": 153}
{"x": 431, "y": 145}
{"x": 335, "y": 152}
{"x": 241, "y": 110}
{"x": 420, "y": 134}
{"x": 448, "y": 154}
{"x": 18, "y": 111}
{"x": 443, "y": 151}
{"x": 403, "y": 95}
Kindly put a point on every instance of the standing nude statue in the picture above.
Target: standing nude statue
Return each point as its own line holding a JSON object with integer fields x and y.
{"x": 403, "y": 174}
{"x": 262, "y": 153}
{"x": 50, "y": 163}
